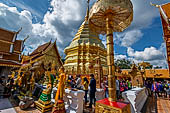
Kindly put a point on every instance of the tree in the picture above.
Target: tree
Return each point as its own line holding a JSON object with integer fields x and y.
{"x": 123, "y": 64}
{"x": 158, "y": 67}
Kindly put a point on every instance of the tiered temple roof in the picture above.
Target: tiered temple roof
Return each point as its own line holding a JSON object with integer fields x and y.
{"x": 10, "y": 48}
{"x": 47, "y": 52}
{"x": 165, "y": 18}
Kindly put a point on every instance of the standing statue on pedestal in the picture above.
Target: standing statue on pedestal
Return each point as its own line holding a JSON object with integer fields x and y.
{"x": 59, "y": 106}
{"x": 44, "y": 103}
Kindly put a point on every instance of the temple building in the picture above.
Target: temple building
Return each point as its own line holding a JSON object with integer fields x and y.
{"x": 82, "y": 52}
{"x": 165, "y": 18}
{"x": 45, "y": 54}
{"x": 10, "y": 51}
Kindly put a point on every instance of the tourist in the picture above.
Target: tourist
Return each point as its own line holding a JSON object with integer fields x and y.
{"x": 85, "y": 84}
{"x": 125, "y": 86}
{"x": 106, "y": 88}
{"x": 78, "y": 82}
{"x": 122, "y": 89}
{"x": 149, "y": 87}
{"x": 72, "y": 82}
{"x": 168, "y": 91}
{"x": 129, "y": 84}
{"x": 165, "y": 88}
{"x": 117, "y": 88}
{"x": 155, "y": 89}
{"x": 92, "y": 90}
{"x": 160, "y": 88}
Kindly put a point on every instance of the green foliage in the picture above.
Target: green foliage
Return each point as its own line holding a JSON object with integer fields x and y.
{"x": 123, "y": 63}
{"x": 149, "y": 67}
{"x": 158, "y": 67}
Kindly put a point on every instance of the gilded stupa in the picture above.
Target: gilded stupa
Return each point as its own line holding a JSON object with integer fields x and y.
{"x": 82, "y": 52}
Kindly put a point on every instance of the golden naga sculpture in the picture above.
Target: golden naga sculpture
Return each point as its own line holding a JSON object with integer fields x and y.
{"x": 59, "y": 106}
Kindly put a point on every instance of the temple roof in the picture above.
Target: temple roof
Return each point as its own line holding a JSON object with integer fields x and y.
{"x": 165, "y": 18}
{"x": 165, "y": 12}
{"x": 5, "y": 47}
{"x": 41, "y": 48}
{"x": 9, "y": 63}
{"x": 10, "y": 48}
{"x": 18, "y": 45}
{"x": 7, "y": 36}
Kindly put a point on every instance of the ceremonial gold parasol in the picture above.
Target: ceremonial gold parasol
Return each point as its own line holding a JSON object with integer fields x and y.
{"x": 106, "y": 17}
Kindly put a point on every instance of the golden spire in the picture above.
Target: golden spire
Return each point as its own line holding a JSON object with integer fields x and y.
{"x": 87, "y": 12}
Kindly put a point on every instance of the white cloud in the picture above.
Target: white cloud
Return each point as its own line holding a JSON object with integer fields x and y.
{"x": 118, "y": 56}
{"x": 144, "y": 14}
{"x": 130, "y": 37}
{"x": 59, "y": 23}
{"x": 152, "y": 55}
{"x": 148, "y": 54}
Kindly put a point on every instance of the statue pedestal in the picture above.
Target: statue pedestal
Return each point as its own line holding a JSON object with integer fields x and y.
{"x": 106, "y": 106}
{"x": 136, "y": 97}
{"x": 43, "y": 107}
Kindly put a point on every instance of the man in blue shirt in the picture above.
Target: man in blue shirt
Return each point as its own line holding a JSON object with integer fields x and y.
{"x": 92, "y": 90}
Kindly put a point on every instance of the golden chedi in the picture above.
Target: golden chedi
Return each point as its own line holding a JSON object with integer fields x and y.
{"x": 83, "y": 50}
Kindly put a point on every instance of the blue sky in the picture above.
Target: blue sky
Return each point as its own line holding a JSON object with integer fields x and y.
{"x": 43, "y": 20}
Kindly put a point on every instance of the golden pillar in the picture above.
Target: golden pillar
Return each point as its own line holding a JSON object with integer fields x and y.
{"x": 110, "y": 60}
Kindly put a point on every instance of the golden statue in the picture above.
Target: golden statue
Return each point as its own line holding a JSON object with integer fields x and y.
{"x": 32, "y": 83}
{"x": 59, "y": 102}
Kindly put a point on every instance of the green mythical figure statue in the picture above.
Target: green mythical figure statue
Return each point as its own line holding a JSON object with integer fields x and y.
{"x": 44, "y": 103}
